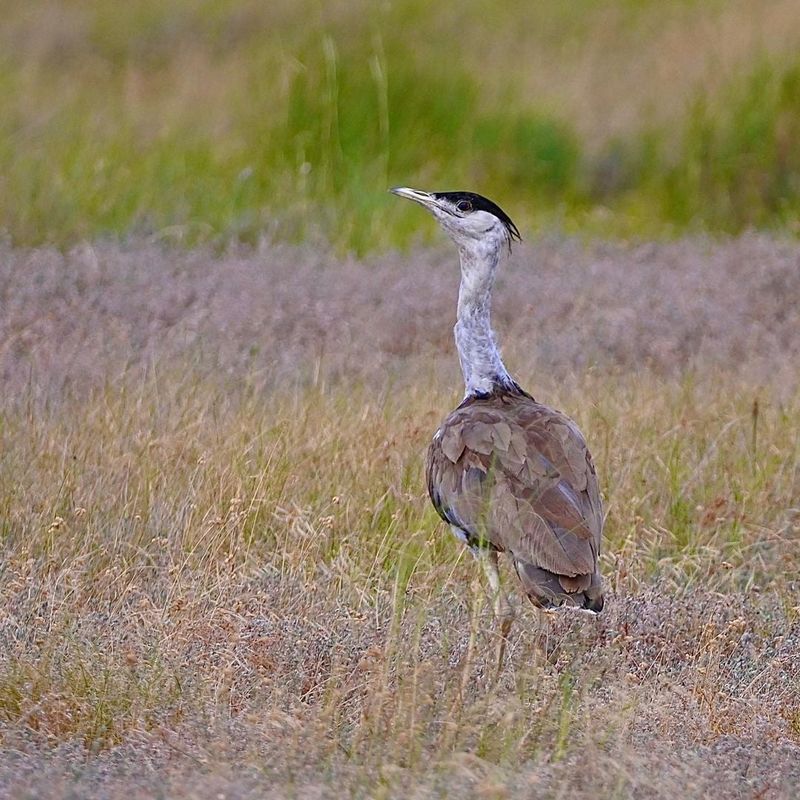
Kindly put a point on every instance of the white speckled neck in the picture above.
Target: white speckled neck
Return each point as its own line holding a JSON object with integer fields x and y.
{"x": 480, "y": 359}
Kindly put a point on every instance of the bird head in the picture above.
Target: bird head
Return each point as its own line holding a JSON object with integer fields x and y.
{"x": 472, "y": 221}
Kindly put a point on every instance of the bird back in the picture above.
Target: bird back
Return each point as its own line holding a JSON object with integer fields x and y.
{"x": 515, "y": 475}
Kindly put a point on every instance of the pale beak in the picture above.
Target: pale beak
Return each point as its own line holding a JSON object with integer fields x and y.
{"x": 423, "y": 198}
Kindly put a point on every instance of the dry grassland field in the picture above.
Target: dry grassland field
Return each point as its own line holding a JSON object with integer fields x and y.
{"x": 224, "y": 349}
{"x": 221, "y": 576}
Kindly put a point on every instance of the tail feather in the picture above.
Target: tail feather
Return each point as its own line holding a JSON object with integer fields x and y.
{"x": 548, "y": 590}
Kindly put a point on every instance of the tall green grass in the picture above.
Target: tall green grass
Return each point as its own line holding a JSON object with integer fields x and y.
{"x": 228, "y": 120}
{"x": 738, "y": 163}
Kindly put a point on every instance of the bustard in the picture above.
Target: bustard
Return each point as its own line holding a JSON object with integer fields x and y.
{"x": 507, "y": 473}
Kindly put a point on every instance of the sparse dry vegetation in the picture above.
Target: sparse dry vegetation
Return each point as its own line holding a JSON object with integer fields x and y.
{"x": 221, "y": 577}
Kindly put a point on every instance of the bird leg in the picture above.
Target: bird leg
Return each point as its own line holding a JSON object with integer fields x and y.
{"x": 503, "y": 610}
{"x": 474, "y": 623}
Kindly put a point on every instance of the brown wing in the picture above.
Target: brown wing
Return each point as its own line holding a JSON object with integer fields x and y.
{"x": 517, "y": 475}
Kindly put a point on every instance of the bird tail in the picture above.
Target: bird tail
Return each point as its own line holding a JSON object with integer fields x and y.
{"x": 548, "y": 590}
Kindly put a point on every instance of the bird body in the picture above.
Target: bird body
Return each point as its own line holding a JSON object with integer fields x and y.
{"x": 507, "y": 473}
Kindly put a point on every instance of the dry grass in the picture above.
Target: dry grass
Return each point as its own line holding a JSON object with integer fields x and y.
{"x": 221, "y": 576}
{"x": 643, "y": 62}
{"x": 292, "y": 315}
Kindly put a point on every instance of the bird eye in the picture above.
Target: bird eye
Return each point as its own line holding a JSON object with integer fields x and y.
{"x": 464, "y": 205}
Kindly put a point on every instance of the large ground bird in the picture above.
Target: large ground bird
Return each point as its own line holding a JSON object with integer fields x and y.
{"x": 507, "y": 473}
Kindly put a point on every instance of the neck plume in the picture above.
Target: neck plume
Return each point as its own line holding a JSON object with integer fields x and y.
{"x": 480, "y": 359}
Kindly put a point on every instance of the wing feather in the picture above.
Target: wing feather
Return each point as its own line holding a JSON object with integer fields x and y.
{"x": 517, "y": 475}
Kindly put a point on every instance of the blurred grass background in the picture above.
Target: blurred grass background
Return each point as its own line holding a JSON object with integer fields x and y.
{"x": 223, "y": 119}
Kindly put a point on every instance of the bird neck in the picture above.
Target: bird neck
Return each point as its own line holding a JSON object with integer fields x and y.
{"x": 481, "y": 364}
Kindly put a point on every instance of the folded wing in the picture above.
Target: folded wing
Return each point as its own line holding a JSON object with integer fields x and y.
{"x": 515, "y": 475}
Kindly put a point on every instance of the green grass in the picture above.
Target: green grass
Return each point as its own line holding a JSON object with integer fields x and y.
{"x": 223, "y": 120}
